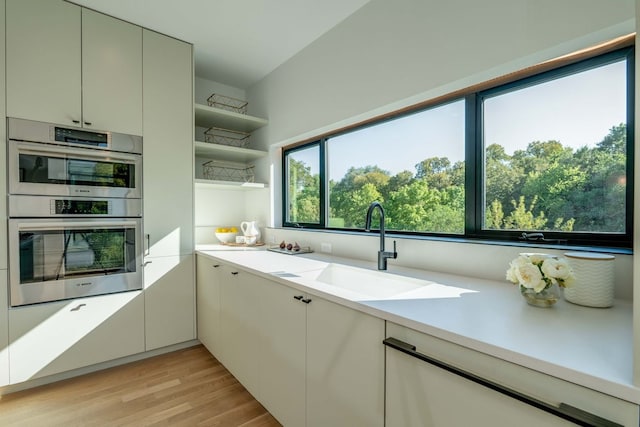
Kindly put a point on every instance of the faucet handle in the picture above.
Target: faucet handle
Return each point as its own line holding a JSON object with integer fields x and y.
{"x": 395, "y": 253}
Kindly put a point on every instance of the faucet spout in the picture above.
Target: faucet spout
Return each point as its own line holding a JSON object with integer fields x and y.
{"x": 382, "y": 255}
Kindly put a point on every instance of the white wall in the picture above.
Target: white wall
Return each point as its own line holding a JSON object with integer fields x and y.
{"x": 392, "y": 54}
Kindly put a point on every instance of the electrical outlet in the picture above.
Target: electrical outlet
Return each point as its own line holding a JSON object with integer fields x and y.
{"x": 325, "y": 247}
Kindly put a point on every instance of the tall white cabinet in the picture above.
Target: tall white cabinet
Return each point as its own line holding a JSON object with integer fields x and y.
{"x": 73, "y": 66}
{"x": 4, "y": 312}
{"x": 168, "y": 191}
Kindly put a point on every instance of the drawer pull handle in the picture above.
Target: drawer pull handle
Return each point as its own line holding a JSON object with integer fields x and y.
{"x": 216, "y": 265}
{"x": 563, "y": 410}
{"x": 88, "y": 123}
{"x": 298, "y": 297}
{"x": 235, "y": 273}
{"x": 76, "y": 121}
{"x": 78, "y": 307}
{"x": 306, "y": 300}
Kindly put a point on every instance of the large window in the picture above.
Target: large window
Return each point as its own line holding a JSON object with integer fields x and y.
{"x": 414, "y": 165}
{"x": 543, "y": 157}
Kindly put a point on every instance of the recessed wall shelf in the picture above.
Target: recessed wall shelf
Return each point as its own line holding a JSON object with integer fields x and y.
{"x": 206, "y": 116}
{"x": 227, "y": 152}
{"x": 205, "y": 183}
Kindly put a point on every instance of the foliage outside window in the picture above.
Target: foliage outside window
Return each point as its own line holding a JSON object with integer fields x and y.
{"x": 547, "y": 153}
{"x": 303, "y": 185}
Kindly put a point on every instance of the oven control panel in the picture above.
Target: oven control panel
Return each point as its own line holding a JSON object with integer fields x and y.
{"x": 80, "y": 207}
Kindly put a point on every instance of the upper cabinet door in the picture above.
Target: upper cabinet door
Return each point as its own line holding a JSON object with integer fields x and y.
{"x": 43, "y": 61}
{"x": 111, "y": 74}
{"x": 168, "y": 145}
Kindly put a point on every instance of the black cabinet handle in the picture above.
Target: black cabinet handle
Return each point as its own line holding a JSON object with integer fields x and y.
{"x": 306, "y": 300}
{"x": 234, "y": 273}
{"x": 216, "y": 265}
{"x": 76, "y": 121}
{"x": 78, "y": 307}
{"x": 298, "y": 297}
{"x": 88, "y": 123}
{"x": 575, "y": 415}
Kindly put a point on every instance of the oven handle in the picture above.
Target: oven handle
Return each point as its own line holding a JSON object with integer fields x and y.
{"x": 25, "y": 225}
{"x": 79, "y": 153}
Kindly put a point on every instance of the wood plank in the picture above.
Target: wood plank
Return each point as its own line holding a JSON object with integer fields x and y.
{"x": 188, "y": 387}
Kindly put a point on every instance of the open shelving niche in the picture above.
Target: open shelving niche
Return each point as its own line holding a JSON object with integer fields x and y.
{"x": 208, "y": 117}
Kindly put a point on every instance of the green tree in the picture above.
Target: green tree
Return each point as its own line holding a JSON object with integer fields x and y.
{"x": 359, "y": 187}
{"x": 435, "y": 171}
{"x": 304, "y": 193}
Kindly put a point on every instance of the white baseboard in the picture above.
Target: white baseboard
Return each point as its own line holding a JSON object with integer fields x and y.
{"x": 94, "y": 368}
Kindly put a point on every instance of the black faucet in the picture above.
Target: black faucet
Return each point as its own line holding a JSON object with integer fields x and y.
{"x": 382, "y": 255}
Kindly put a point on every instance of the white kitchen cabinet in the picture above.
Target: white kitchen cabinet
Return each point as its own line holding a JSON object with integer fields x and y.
{"x": 168, "y": 145}
{"x": 111, "y": 74}
{"x": 44, "y": 65}
{"x": 345, "y": 366}
{"x": 49, "y": 338}
{"x": 208, "y": 278}
{"x": 168, "y": 191}
{"x": 73, "y": 66}
{"x": 170, "y": 301}
{"x": 4, "y": 330}
{"x": 420, "y": 394}
{"x": 307, "y": 360}
{"x": 239, "y": 322}
{"x": 283, "y": 352}
{"x": 437, "y": 383}
{"x": 3, "y": 156}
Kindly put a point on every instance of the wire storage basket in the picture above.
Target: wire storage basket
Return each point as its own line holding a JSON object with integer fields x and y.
{"x": 216, "y": 170}
{"x": 228, "y": 137}
{"x": 228, "y": 103}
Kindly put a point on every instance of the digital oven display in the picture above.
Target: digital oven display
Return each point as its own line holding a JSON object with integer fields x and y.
{"x": 82, "y": 207}
{"x": 77, "y": 136}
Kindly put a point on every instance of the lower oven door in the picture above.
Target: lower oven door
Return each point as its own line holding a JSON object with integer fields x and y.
{"x": 69, "y": 258}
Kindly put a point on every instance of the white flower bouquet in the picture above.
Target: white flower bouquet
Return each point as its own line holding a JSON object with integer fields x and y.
{"x": 539, "y": 272}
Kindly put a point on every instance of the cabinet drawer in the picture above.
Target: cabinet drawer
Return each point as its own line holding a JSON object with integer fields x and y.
{"x": 49, "y": 338}
{"x": 533, "y": 385}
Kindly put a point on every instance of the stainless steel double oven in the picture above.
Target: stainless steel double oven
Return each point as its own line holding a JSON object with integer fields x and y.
{"x": 75, "y": 212}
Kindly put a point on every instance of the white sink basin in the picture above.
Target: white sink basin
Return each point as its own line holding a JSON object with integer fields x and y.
{"x": 372, "y": 284}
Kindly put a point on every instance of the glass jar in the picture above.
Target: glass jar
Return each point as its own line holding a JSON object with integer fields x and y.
{"x": 545, "y": 298}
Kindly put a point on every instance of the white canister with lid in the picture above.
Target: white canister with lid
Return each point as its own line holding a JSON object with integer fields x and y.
{"x": 594, "y": 273}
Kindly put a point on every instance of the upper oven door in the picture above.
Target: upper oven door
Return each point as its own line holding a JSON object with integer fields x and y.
{"x": 43, "y": 169}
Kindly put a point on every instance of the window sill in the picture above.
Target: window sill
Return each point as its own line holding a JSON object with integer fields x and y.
{"x": 464, "y": 240}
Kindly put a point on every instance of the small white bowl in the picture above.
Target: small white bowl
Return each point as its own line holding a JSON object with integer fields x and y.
{"x": 226, "y": 237}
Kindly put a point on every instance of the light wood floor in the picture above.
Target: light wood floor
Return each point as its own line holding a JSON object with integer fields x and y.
{"x": 185, "y": 388}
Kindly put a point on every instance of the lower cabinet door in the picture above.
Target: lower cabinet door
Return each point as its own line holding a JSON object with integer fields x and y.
{"x": 282, "y": 350}
{"x": 208, "y": 277}
{"x": 239, "y": 317}
{"x": 421, "y": 394}
{"x": 49, "y": 338}
{"x": 4, "y": 330}
{"x": 170, "y": 301}
{"x": 345, "y": 366}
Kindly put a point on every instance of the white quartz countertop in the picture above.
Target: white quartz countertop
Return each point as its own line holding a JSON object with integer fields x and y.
{"x": 587, "y": 346}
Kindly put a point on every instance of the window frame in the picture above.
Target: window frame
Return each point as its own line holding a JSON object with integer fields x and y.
{"x": 285, "y": 186}
{"x": 474, "y": 154}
